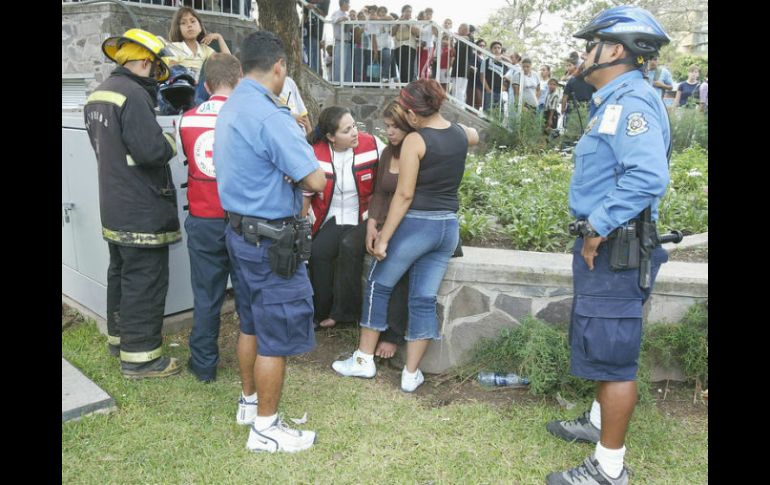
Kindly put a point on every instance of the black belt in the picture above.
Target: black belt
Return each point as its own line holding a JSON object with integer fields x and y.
{"x": 255, "y": 227}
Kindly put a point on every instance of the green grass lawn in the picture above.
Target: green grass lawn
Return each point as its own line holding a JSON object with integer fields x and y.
{"x": 179, "y": 431}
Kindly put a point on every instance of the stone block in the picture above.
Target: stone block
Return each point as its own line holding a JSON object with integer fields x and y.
{"x": 448, "y": 287}
{"x": 359, "y": 100}
{"x": 514, "y": 306}
{"x": 367, "y": 110}
{"x": 557, "y": 312}
{"x": 437, "y": 359}
{"x": 560, "y": 291}
{"x": 666, "y": 308}
{"x": 467, "y": 333}
{"x": 468, "y": 301}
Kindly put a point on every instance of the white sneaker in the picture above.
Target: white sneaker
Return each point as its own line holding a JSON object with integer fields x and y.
{"x": 247, "y": 411}
{"x": 410, "y": 383}
{"x": 279, "y": 437}
{"x": 355, "y": 366}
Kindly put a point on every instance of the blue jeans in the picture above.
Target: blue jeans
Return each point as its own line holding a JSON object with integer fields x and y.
{"x": 422, "y": 245}
{"x": 387, "y": 66}
{"x": 209, "y": 269}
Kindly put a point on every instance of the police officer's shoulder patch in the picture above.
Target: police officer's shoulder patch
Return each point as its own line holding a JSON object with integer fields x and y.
{"x": 636, "y": 124}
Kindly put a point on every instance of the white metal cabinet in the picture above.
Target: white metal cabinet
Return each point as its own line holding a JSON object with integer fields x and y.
{"x": 85, "y": 256}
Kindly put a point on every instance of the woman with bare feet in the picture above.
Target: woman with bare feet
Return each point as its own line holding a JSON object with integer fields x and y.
{"x": 420, "y": 233}
{"x": 396, "y": 128}
{"x": 338, "y": 214}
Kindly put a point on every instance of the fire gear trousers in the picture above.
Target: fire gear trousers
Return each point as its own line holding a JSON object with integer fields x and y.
{"x": 137, "y": 283}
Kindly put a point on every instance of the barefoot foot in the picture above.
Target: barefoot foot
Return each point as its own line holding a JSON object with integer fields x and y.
{"x": 386, "y": 350}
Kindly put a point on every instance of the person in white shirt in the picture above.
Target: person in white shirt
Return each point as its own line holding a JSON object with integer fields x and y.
{"x": 343, "y": 46}
{"x": 339, "y": 213}
{"x": 527, "y": 85}
{"x": 290, "y": 97}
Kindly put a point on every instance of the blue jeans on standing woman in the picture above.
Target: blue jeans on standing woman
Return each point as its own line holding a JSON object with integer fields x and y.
{"x": 422, "y": 245}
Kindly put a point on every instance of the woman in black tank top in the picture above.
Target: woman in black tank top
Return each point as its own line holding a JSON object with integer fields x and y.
{"x": 420, "y": 232}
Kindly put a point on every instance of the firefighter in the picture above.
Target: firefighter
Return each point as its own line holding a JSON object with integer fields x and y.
{"x": 137, "y": 200}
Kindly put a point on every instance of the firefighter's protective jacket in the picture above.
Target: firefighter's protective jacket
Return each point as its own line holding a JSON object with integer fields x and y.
{"x": 136, "y": 193}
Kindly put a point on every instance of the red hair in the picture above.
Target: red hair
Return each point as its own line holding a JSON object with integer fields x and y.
{"x": 424, "y": 97}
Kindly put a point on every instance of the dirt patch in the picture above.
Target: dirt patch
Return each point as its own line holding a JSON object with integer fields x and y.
{"x": 438, "y": 390}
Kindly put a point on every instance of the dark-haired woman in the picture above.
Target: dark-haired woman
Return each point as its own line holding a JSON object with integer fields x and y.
{"x": 396, "y": 129}
{"x": 349, "y": 158}
{"x": 420, "y": 233}
{"x": 190, "y": 47}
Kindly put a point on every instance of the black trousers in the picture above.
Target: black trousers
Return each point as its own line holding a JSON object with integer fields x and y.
{"x": 137, "y": 283}
{"x": 336, "y": 263}
{"x": 406, "y": 58}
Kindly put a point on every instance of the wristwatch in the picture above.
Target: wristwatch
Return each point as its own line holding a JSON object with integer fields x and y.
{"x": 587, "y": 230}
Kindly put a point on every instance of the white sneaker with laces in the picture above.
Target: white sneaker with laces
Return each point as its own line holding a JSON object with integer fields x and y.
{"x": 411, "y": 382}
{"x": 355, "y": 366}
{"x": 247, "y": 411}
{"x": 279, "y": 437}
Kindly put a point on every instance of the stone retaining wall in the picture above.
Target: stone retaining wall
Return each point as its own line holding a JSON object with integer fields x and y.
{"x": 489, "y": 289}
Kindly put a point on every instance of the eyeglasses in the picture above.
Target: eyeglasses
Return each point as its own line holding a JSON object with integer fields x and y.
{"x": 593, "y": 43}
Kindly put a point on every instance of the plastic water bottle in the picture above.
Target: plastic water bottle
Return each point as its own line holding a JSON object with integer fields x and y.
{"x": 499, "y": 379}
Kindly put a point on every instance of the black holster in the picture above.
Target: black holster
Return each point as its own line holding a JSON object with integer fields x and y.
{"x": 283, "y": 257}
{"x": 292, "y": 240}
{"x": 631, "y": 246}
{"x": 623, "y": 245}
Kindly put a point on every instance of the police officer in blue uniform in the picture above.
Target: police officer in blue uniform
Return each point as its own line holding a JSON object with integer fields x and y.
{"x": 621, "y": 168}
{"x": 257, "y": 144}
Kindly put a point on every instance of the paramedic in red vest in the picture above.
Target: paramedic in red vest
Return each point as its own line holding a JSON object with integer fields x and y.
{"x": 349, "y": 158}
{"x": 205, "y": 224}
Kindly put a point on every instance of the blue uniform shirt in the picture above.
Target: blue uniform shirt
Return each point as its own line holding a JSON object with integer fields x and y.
{"x": 256, "y": 143}
{"x": 662, "y": 75}
{"x": 620, "y": 161}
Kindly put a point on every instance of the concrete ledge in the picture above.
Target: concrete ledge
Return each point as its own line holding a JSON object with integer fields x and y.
{"x": 80, "y": 396}
{"x": 490, "y": 289}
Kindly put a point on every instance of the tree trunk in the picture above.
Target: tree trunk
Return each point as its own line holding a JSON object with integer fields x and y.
{"x": 280, "y": 17}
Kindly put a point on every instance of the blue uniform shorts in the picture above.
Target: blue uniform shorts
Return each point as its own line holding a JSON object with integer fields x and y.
{"x": 279, "y": 311}
{"x": 606, "y": 328}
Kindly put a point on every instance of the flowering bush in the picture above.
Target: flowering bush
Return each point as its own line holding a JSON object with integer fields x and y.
{"x": 520, "y": 201}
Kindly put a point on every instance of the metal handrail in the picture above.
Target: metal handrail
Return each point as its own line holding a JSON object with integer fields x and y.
{"x": 351, "y": 61}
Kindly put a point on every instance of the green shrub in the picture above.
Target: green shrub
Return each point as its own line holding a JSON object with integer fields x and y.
{"x": 540, "y": 351}
{"x": 683, "y": 344}
{"x": 689, "y": 127}
{"x": 523, "y": 131}
{"x": 685, "y": 205}
{"x": 521, "y": 200}
{"x": 535, "y": 350}
{"x": 680, "y": 66}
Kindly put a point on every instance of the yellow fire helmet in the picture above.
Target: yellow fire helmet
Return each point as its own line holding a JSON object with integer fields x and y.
{"x": 122, "y": 49}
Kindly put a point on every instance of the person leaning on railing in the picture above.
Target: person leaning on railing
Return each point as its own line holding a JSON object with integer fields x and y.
{"x": 313, "y": 14}
{"x": 405, "y": 36}
{"x": 343, "y": 47}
